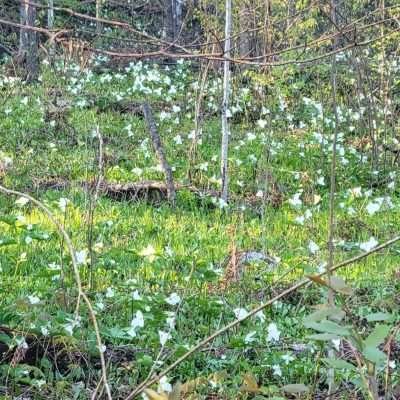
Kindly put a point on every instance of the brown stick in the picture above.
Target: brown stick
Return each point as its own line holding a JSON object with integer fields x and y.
{"x": 158, "y": 148}
{"x": 256, "y": 310}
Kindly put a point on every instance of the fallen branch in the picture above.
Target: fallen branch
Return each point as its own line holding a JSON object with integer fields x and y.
{"x": 256, "y": 310}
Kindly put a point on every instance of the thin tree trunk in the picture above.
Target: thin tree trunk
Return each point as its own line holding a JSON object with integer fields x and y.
{"x": 50, "y": 23}
{"x": 225, "y": 103}
{"x": 99, "y": 25}
{"x": 158, "y": 147}
{"x": 28, "y": 45}
{"x": 331, "y": 228}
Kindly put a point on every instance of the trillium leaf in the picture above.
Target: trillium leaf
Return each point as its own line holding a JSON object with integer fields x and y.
{"x": 323, "y": 337}
{"x": 326, "y": 312}
{"x": 374, "y": 355}
{"x": 377, "y": 336}
{"x": 296, "y": 388}
{"x": 336, "y": 363}
{"x": 380, "y": 316}
{"x": 329, "y": 327}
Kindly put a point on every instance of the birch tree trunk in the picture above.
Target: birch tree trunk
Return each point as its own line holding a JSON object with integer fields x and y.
{"x": 28, "y": 45}
{"x": 225, "y": 103}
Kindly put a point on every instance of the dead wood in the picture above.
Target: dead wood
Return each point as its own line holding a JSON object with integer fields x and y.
{"x": 152, "y": 192}
{"x": 159, "y": 149}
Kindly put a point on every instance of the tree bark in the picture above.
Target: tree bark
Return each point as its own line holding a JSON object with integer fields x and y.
{"x": 28, "y": 44}
{"x": 99, "y": 26}
{"x": 225, "y": 103}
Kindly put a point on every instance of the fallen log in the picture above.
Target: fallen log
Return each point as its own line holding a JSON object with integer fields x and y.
{"x": 153, "y": 192}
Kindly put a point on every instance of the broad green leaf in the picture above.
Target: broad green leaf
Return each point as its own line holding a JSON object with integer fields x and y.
{"x": 374, "y": 355}
{"x": 331, "y": 312}
{"x": 323, "y": 337}
{"x": 329, "y": 327}
{"x": 377, "y": 336}
{"x": 5, "y": 339}
{"x": 380, "y": 316}
{"x": 339, "y": 364}
{"x": 295, "y": 388}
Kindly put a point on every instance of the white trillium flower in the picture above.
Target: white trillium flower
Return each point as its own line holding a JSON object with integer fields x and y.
{"x": 369, "y": 245}
{"x": 277, "y": 370}
{"x": 313, "y": 247}
{"x": 81, "y": 257}
{"x": 373, "y": 207}
{"x": 262, "y": 123}
{"x": 164, "y": 337}
{"x": 288, "y": 358}
{"x": 22, "y": 201}
{"x": 240, "y": 313}
{"x": 165, "y": 386}
{"x": 33, "y": 299}
{"x": 173, "y": 299}
{"x": 62, "y": 203}
{"x": 250, "y": 337}
{"x": 138, "y": 321}
{"x": 136, "y": 295}
{"x": 273, "y": 333}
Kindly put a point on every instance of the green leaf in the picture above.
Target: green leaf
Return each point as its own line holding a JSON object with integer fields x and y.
{"x": 7, "y": 241}
{"x": 9, "y": 220}
{"x": 377, "y": 336}
{"x": 336, "y": 363}
{"x": 296, "y": 388}
{"x": 380, "y": 316}
{"x": 374, "y": 355}
{"x": 326, "y": 312}
{"x": 323, "y": 336}
{"x": 329, "y": 327}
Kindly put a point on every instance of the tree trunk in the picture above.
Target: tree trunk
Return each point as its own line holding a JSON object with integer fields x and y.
{"x": 50, "y": 23}
{"x": 172, "y": 19}
{"x": 28, "y": 44}
{"x": 225, "y": 104}
{"x": 99, "y": 25}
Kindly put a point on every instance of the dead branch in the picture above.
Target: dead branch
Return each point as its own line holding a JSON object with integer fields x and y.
{"x": 158, "y": 148}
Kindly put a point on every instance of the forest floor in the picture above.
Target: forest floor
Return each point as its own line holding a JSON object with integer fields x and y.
{"x": 162, "y": 278}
